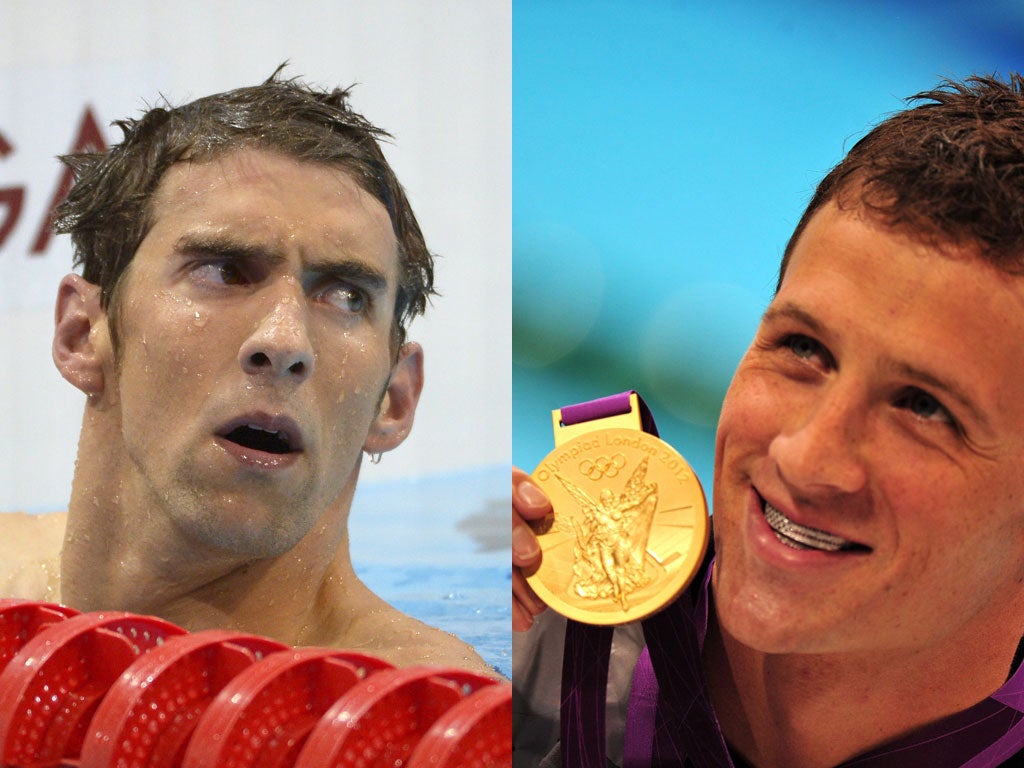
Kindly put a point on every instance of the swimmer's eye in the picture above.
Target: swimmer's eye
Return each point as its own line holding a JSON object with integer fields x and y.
{"x": 344, "y": 296}
{"x": 803, "y": 346}
{"x": 225, "y": 272}
{"x": 924, "y": 406}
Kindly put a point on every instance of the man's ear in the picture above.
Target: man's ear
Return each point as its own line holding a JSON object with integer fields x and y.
{"x": 80, "y": 340}
{"x": 398, "y": 406}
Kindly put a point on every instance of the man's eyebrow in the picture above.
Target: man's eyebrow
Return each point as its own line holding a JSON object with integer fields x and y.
{"x": 223, "y": 247}
{"x": 368, "y": 277}
{"x": 788, "y": 311}
{"x": 929, "y": 379}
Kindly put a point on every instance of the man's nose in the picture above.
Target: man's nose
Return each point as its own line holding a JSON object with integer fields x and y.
{"x": 279, "y": 346}
{"x": 821, "y": 448}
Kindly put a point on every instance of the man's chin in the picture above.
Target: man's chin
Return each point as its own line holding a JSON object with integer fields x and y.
{"x": 774, "y": 629}
{"x": 754, "y": 619}
{"x": 257, "y": 534}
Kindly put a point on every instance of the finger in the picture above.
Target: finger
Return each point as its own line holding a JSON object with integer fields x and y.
{"x": 526, "y": 551}
{"x": 527, "y": 497}
{"x": 525, "y": 603}
{"x": 523, "y": 594}
{"x": 522, "y": 620}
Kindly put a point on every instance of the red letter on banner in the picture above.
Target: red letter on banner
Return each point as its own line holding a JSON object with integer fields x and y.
{"x": 89, "y": 139}
{"x": 10, "y": 197}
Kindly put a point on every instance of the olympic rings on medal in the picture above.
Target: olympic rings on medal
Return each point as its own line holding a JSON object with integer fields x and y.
{"x": 602, "y": 466}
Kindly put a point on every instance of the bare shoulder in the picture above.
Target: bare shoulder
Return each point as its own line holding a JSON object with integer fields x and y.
{"x": 404, "y": 641}
{"x": 30, "y": 554}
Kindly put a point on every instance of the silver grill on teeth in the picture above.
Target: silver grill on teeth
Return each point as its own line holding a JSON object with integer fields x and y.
{"x": 806, "y": 538}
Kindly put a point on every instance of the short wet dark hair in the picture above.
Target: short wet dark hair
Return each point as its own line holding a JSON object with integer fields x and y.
{"x": 108, "y": 210}
{"x": 948, "y": 170}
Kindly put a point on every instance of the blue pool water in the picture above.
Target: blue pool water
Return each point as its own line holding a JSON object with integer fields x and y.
{"x": 438, "y": 549}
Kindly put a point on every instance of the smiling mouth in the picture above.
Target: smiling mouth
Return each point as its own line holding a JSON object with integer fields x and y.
{"x": 801, "y": 537}
{"x": 257, "y": 438}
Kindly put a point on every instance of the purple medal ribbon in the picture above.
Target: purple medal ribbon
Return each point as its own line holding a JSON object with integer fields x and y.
{"x": 588, "y": 648}
{"x": 684, "y": 724}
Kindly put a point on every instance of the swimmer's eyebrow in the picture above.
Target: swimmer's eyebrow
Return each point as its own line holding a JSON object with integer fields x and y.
{"x": 790, "y": 311}
{"x": 223, "y": 247}
{"x": 367, "y": 276}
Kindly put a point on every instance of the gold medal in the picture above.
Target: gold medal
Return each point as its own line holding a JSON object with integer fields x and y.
{"x": 629, "y": 529}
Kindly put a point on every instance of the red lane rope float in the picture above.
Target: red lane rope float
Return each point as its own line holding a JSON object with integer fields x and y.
{"x": 474, "y": 733}
{"x": 21, "y": 620}
{"x": 263, "y": 716}
{"x": 119, "y": 690}
{"x": 53, "y": 684}
{"x": 150, "y": 712}
{"x": 379, "y": 721}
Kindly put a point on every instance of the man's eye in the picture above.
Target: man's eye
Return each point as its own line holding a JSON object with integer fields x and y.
{"x": 802, "y": 346}
{"x": 345, "y": 298}
{"x": 219, "y": 272}
{"x": 923, "y": 405}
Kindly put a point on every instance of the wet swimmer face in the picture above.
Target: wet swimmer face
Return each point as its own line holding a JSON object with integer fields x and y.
{"x": 867, "y": 476}
{"x": 256, "y": 360}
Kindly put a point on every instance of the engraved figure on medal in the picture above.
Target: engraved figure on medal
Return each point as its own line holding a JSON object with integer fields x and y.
{"x": 610, "y": 553}
{"x": 628, "y": 531}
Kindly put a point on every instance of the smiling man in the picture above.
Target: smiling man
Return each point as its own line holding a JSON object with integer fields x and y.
{"x": 864, "y": 602}
{"x": 249, "y": 264}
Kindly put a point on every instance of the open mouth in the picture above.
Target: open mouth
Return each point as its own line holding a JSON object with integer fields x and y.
{"x": 259, "y": 439}
{"x": 802, "y": 537}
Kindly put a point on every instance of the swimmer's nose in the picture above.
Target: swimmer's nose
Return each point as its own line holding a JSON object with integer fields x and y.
{"x": 279, "y": 346}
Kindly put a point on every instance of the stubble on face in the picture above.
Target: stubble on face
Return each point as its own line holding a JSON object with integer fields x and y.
{"x": 173, "y": 339}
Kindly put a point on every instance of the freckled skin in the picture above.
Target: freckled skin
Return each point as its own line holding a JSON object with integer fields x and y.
{"x": 882, "y": 402}
{"x": 265, "y": 289}
{"x": 840, "y": 443}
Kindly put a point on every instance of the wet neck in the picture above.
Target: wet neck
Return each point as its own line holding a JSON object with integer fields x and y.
{"x": 122, "y": 551}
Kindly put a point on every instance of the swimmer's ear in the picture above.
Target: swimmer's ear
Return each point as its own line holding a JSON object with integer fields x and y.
{"x": 398, "y": 406}
{"x": 80, "y": 336}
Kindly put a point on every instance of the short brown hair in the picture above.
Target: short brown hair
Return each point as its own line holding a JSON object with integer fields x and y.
{"x": 108, "y": 214}
{"x": 948, "y": 170}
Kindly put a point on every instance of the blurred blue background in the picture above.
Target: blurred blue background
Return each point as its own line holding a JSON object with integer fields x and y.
{"x": 662, "y": 154}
